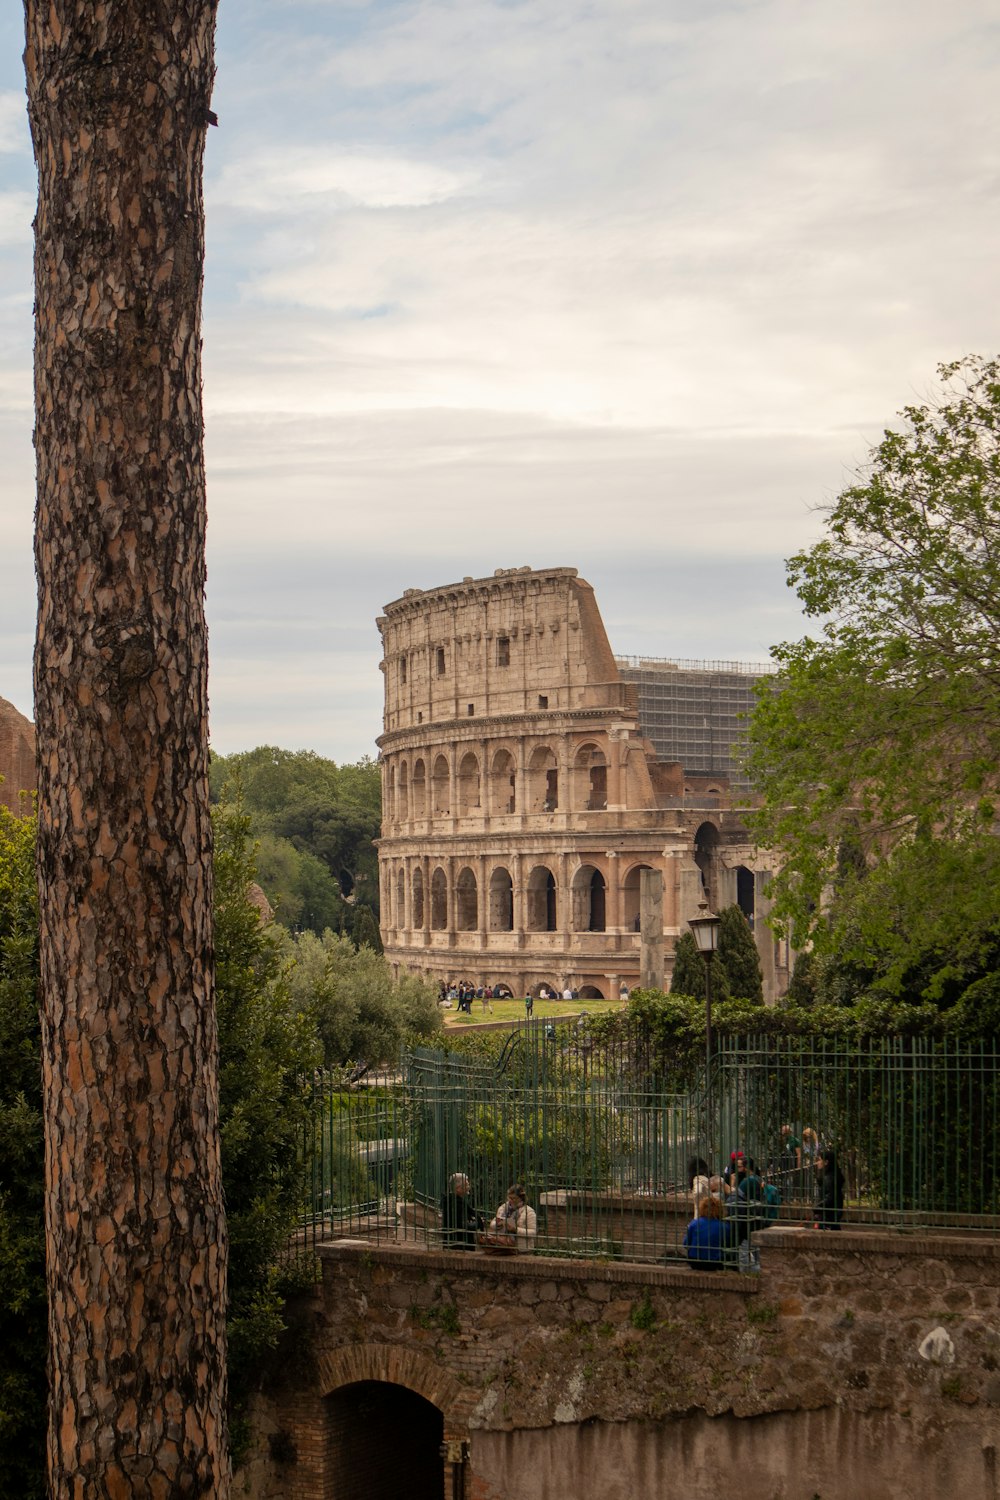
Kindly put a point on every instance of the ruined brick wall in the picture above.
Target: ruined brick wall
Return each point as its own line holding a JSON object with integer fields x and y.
{"x": 854, "y": 1365}
{"x": 17, "y": 756}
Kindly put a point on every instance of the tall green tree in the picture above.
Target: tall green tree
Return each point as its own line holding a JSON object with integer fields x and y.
{"x": 688, "y": 977}
{"x": 737, "y": 955}
{"x": 881, "y": 734}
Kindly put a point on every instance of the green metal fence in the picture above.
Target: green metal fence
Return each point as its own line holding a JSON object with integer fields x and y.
{"x": 602, "y": 1138}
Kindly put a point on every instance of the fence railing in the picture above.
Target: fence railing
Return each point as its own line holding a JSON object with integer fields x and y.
{"x": 603, "y": 1140}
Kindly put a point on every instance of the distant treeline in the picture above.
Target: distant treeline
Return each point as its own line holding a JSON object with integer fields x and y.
{"x": 314, "y": 823}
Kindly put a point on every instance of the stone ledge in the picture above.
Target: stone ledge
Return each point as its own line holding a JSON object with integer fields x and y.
{"x": 849, "y": 1241}
{"x": 536, "y": 1268}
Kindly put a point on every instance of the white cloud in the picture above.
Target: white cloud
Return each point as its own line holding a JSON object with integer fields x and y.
{"x": 313, "y": 178}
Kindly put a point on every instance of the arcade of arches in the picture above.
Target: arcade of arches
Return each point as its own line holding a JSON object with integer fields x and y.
{"x": 521, "y": 802}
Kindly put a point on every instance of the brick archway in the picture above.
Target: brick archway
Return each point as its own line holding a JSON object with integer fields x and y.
{"x": 395, "y": 1366}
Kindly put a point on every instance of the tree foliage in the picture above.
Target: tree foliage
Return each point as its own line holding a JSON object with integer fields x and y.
{"x": 735, "y": 967}
{"x": 876, "y": 748}
{"x": 22, "y": 1172}
{"x": 315, "y": 823}
{"x": 737, "y": 955}
{"x": 361, "y": 1013}
{"x": 267, "y": 1041}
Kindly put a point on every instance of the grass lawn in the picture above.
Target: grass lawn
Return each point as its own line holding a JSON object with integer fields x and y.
{"x": 513, "y": 1010}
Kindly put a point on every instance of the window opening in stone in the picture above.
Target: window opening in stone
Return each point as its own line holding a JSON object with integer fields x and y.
{"x": 590, "y": 779}
{"x": 589, "y": 900}
{"x": 439, "y": 900}
{"x": 543, "y": 701}
{"x": 541, "y": 900}
{"x": 440, "y": 661}
{"x": 400, "y": 899}
{"x": 402, "y": 671}
{"x": 501, "y": 901}
{"x": 418, "y": 789}
{"x": 440, "y": 790}
{"x": 503, "y": 785}
{"x": 467, "y": 901}
{"x": 404, "y": 794}
{"x": 468, "y": 784}
{"x": 745, "y": 892}
{"x": 503, "y": 651}
{"x": 543, "y": 781}
{"x": 417, "y": 893}
{"x": 470, "y": 709}
{"x": 631, "y": 891}
{"x": 706, "y": 850}
{"x": 420, "y": 717}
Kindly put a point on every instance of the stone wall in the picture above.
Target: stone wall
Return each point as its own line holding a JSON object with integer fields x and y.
{"x": 854, "y": 1365}
{"x": 17, "y": 756}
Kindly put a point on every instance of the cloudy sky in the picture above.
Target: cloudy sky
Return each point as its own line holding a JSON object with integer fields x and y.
{"x": 628, "y": 285}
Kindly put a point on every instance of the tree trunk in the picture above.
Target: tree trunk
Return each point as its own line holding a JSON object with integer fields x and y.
{"x": 118, "y": 100}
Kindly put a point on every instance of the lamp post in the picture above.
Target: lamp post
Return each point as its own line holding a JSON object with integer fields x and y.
{"x": 705, "y": 927}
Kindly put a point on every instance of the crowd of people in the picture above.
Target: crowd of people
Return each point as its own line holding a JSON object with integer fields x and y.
{"x": 463, "y": 993}
{"x": 729, "y": 1206}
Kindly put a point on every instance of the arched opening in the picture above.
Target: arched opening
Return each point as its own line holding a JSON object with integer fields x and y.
{"x": 390, "y": 794}
{"x": 589, "y": 900}
{"x": 591, "y": 992}
{"x": 417, "y": 895}
{"x": 468, "y": 784}
{"x": 590, "y": 775}
{"x": 631, "y": 893}
{"x": 706, "y": 849}
{"x": 362, "y": 1464}
{"x": 501, "y": 901}
{"x": 418, "y": 789}
{"x": 439, "y": 900}
{"x": 541, "y": 900}
{"x": 400, "y": 898}
{"x": 543, "y": 781}
{"x": 466, "y": 901}
{"x": 745, "y": 898}
{"x": 403, "y": 804}
{"x": 440, "y": 789}
{"x": 503, "y": 784}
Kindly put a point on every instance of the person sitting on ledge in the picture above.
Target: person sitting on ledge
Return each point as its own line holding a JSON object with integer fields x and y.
{"x": 706, "y": 1238}
{"x": 515, "y": 1219}
{"x": 458, "y": 1216}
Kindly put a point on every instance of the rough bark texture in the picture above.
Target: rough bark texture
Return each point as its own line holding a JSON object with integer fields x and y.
{"x": 118, "y": 98}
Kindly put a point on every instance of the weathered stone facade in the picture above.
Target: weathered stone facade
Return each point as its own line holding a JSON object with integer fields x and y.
{"x": 17, "y": 757}
{"x": 521, "y": 802}
{"x": 855, "y": 1366}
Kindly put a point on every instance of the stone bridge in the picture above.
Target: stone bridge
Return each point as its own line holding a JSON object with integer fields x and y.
{"x": 856, "y": 1366}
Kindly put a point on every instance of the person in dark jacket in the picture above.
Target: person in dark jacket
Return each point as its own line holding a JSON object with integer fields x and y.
{"x": 829, "y": 1207}
{"x": 458, "y": 1216}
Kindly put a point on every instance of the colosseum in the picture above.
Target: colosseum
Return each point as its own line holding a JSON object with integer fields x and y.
{"x": 523, "y": 796}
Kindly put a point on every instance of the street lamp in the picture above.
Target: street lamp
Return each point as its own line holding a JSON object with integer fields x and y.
{"x": 706, "y": 935}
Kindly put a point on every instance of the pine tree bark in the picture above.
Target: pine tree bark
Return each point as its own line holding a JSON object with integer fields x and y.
{"x": 118, "y": 95}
